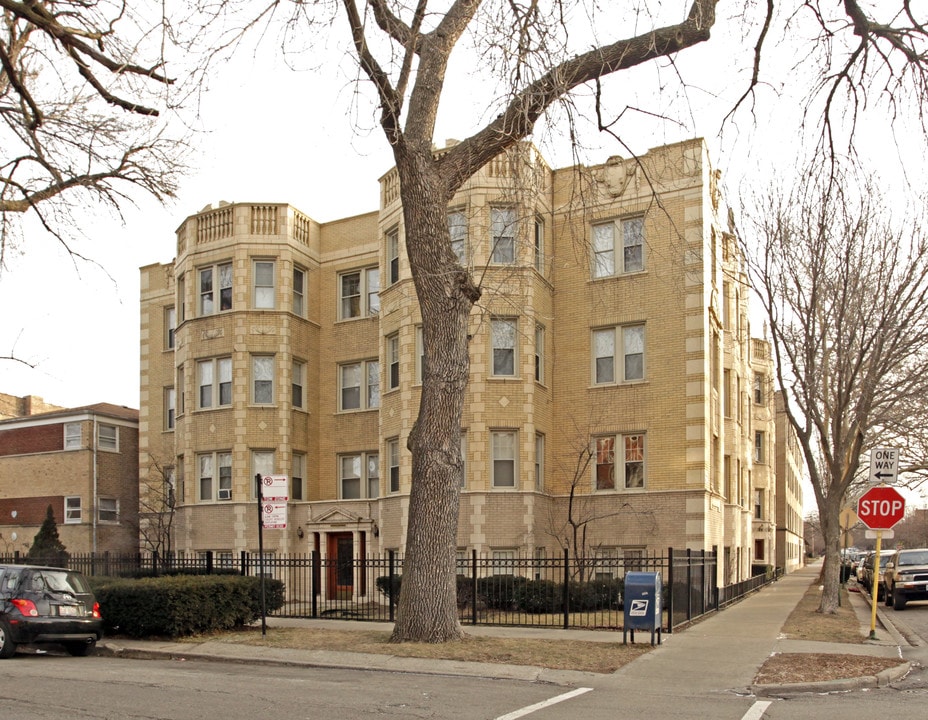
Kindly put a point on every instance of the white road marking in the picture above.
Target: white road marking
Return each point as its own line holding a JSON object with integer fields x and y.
{"x": 545, "y": 703}
{"x": 757, "y": 710}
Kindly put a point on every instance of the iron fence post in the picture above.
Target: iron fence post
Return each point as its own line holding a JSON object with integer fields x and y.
{"x": 566, "y": 593}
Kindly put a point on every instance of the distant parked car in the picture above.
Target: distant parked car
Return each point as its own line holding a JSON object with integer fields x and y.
{"x": 859, "y": 571}
{"x": 906, "y": 577}
{"x": 867, "y": 572}
{"x": 47, "y": 606}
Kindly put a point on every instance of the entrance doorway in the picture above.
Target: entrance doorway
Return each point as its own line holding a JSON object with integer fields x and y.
{"x": 340, "y": 575}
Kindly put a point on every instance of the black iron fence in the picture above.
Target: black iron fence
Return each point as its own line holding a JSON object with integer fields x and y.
{"x": 564, "y": 591}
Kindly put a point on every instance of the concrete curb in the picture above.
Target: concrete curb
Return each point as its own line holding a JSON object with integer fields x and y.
{"x": 881, "y": 679}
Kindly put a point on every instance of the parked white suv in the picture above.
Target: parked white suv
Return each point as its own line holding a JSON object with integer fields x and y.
{"x": 906, "y": 577}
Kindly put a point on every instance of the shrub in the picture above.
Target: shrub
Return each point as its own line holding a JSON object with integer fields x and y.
{"x": 180, "y": 606}
{"x": 540, "y": 596}
{"x": 596, "y": 595}
{"x": 498, "y": 592}
{"x": 389, "y": 586}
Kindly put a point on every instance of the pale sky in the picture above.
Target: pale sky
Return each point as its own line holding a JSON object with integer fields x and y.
{"x": 275, "y": 135}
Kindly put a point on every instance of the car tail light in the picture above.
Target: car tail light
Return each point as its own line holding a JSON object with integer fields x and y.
{"x": 26, "y": 607}
{"x": 96, "y": 610}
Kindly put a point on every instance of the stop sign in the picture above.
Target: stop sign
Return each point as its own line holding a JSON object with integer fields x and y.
{"x": 880, "y": 508}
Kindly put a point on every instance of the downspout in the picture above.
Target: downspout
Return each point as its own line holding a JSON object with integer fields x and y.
{"x": 93, "y": 504}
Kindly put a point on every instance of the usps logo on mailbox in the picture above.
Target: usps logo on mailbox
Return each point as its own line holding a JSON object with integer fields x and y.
{"x": 639, "y": 608}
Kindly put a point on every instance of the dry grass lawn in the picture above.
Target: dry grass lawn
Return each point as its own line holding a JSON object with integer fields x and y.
{"x": 804, "y": 623}
{"x": 597, "y": 657}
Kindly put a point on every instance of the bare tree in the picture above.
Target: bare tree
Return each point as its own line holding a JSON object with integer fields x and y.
{"x": 157, "y": 502}
{"x": 845, "y": 290}
{"x": 404, "y": 51}
{"x": 82, "y": 86}
{"x": 570, "y": 528}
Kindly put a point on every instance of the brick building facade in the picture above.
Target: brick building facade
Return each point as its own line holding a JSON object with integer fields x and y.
{"x": 81, "y": 462}
{"x": 611, "y": 363}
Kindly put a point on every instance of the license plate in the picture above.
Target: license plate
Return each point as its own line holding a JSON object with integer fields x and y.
{"x": 69, "y": 610}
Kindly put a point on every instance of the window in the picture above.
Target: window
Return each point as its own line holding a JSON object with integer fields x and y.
{"x": 215, "y": 288}
{"x": 215, "y": 476}
{"x": 169, "y": 488}
{"x": 539, "y": 461}
{"x": 373, "y": 475}
{"x": 634, "y": 461}
{"x": 393, "y": 256}
{"x": 262, "y": 463}
{"x": 107, "y": 510}
{"x": 262, "y": 367}
{"x": 72, "y": 436}
{"x": 107, "y": 437}
{"x": 170, "y": 398}
{"x": 628, "y": 343}
{"x": 605, "y": 563}
{"x": 759, "y": 454}
{"x": 503, "y": 230}
{"x": 727, "y": 391}
{"x": 605, "y": 463}
{"x": 759, "y": 389}
{"x": 264, "y": 284}
{"x": 457, "y": 227}
{"x": 503, "y": 339}
{"x": 758, "y": 505}
{"x": 297, "y": 474}
{"x": 504, "y": 562}
{"x": 181, "y": 298}
{"x": 352, "y": 483}
{"x": 297, "y": 389}
{"x": 393, "y": 362}
{"x": 358, "y": 286}
{"x": 214, "y": 381}
{"x": 539, "y": 245}
{"x": 504, "y": 458}
{"x": 539, "y": 353}
{"x": 170, "y": 325}
{"x": 393, "y": 464}
{"x": 463, "y": 459}
{"x": 72, "y": 509}
{"x": 299, "y": 292}
{"x": 605, "y": 237}
{"x": 420, "y": 355}
{"x": 632, "y": 458}
{"x": 359, "y": 385}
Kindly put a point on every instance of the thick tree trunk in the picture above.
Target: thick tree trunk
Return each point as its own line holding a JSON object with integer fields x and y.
{"x": 427, "y": 609}
{"x": 831, "y": 571}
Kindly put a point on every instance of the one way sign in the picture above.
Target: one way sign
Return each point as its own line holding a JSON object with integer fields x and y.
{"x": 884, "y": 465}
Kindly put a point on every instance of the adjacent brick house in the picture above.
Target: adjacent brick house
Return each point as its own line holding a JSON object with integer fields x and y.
{"x": 611, "y": 362}
{"x": 83, "y": 462}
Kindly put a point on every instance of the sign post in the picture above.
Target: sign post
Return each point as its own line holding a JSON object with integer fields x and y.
{"x": 880, "y": 508}
{"x": 271, "y": 492}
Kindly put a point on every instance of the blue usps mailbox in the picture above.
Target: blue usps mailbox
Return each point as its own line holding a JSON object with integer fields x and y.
{"x": 642, "y": 605}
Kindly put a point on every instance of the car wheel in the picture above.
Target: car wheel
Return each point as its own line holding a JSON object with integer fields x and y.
{"x": 81, "y": 649}
{"x": 7, "y": 646}
{"x": 887, "y": 597}
{"x": 879, "y": 593}
{"x": 899, "y": 600}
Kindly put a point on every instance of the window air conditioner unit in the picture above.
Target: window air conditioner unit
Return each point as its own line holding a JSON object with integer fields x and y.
{"x": 225, "y": 494}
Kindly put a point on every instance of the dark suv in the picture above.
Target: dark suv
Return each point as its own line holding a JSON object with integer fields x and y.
{"x": 906, "y": 577}
{"x": 47, "y": 606}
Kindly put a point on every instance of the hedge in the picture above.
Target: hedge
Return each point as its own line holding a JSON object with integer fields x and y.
{"x": 178, "y": 606}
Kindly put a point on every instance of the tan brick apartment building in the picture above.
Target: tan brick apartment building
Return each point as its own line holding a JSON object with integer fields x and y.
{"x": 83, "y": 462}
{"x": 610, "y": 355}
{"x": 790, "y": 466}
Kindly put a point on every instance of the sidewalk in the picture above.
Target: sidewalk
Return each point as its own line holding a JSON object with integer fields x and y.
{"x": 721, "y": 653}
